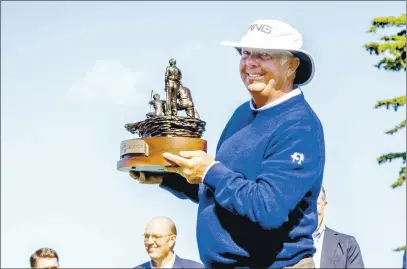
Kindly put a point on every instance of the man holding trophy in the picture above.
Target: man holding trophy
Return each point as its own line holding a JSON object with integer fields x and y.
{"x": 258, "y": 197}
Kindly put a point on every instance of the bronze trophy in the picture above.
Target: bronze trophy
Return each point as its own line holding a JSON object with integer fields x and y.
{"x": 163, "y": 130}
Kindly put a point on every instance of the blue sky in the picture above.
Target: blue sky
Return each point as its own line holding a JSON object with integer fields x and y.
{"x": 73, "y": 73}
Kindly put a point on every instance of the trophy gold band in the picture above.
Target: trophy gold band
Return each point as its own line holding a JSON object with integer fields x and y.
{"x": 163, "y": 130}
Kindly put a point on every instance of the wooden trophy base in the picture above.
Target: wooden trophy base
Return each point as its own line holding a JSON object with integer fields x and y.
{"x": 146, "y": 154}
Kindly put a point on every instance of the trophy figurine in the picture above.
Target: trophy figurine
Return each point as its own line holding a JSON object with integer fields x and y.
{"x": 163, "y": 130}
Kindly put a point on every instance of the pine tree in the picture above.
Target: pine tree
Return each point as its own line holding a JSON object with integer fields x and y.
{"x": 392, "y": 50}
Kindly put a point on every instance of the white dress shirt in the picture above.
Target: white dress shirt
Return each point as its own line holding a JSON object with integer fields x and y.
{"x": 278, "y": 101}
{"x": 318, "y": 237}
{"x": 170, "y": 264}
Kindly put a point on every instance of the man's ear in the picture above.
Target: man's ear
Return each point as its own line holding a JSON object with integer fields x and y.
{"x": 174, "y": 238}
{"x": 293, "y": 64}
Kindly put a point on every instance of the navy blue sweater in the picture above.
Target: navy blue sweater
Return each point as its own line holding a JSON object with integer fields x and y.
{"x": 258, "y": 205}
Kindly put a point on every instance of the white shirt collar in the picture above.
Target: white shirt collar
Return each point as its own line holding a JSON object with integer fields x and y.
{"x": 318, "y": 234}
{"x": 291, "y": 94}
{"x": 170, "y": 264}
{"x": 318, "y": 237}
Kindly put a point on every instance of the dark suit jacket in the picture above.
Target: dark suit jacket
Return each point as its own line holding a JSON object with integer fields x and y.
{"x": 179, "y": 263}
{"x": 340, "y": 251}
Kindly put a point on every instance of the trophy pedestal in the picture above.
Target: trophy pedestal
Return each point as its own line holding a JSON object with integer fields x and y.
{"x": 146, "y": 154}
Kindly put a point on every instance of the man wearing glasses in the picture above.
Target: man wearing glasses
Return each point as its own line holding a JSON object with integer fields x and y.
{"x": 160, "y": 236}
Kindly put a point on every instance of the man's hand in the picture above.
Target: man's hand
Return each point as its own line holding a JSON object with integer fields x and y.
{"x": 192, "y": 164}
{"x": 147, "y": 178}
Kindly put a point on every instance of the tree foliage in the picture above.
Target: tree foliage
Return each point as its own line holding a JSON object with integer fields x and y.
{"x": 400, "y": 248}
{"x": 393, "y": 47}
{"x": 392, "y": 50}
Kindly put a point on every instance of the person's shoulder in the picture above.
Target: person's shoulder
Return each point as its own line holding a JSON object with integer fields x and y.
{"x": 191, "y": 264}
{"x": 300, "y": 118}
{"x": 240, "y": 111}
{"x": 143, "y": 265}
{"x": 342, "y": 236}
{"x": 310, "y": 111}
{"x": 302, "y": 111}
{"x": 244, "y": 107}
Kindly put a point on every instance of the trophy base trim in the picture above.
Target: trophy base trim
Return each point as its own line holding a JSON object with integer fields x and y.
{"x": 151, "y": 169}
{"x": 137, "y": 160}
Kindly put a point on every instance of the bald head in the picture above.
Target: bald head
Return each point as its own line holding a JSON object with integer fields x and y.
{"x": 161, "y": 225}
{"x": 159, "y": 239}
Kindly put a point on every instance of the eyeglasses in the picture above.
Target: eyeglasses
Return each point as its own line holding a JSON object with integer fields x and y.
{"x": 264, "y": 55}
{"x": 155, "y": 237}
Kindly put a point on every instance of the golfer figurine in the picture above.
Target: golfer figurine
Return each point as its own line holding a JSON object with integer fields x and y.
{"x": 173, "y": 78}
{"x": 185, "y": 101}
{"x": 158, "y": 105}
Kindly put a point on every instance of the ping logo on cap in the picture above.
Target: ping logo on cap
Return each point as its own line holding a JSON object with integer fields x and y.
{"x": 261, "y": 28}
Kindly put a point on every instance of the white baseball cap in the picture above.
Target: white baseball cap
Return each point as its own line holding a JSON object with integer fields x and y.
{"x": 277, "y": 35}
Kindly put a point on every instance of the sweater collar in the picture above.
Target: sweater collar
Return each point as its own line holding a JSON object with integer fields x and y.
{"x": 291, "y": 94}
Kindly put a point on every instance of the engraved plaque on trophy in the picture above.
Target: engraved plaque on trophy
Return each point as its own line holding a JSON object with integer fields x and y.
{"x": 163, "y": 130}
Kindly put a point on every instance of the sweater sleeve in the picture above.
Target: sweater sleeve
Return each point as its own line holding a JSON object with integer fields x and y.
{"x": 291, "y": 166}
{"x": 179, "y": 186}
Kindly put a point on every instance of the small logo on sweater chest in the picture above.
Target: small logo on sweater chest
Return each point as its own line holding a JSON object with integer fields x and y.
{"x": 297, "y": 157}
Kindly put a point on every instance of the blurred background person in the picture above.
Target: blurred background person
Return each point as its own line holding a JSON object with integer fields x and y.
{"x": 44, "y": 258}
{"x": 333, "y": 249}
{"x": 160, "y": 236}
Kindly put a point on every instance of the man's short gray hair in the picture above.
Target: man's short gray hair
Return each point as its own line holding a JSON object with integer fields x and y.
{"x": 285, "y": 56}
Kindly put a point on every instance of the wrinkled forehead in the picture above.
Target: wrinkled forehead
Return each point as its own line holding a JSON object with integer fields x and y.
{"x": 157, "y": 228}
{"x": 268, "y": 51}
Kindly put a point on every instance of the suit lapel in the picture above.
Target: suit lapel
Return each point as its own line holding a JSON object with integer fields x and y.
{"x": 145, "y": 265}
{"x": 329, "y": 246}
{"x": 178, "y": 262}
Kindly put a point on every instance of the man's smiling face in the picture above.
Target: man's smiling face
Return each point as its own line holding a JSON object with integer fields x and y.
{"x": 258, "y": 67}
